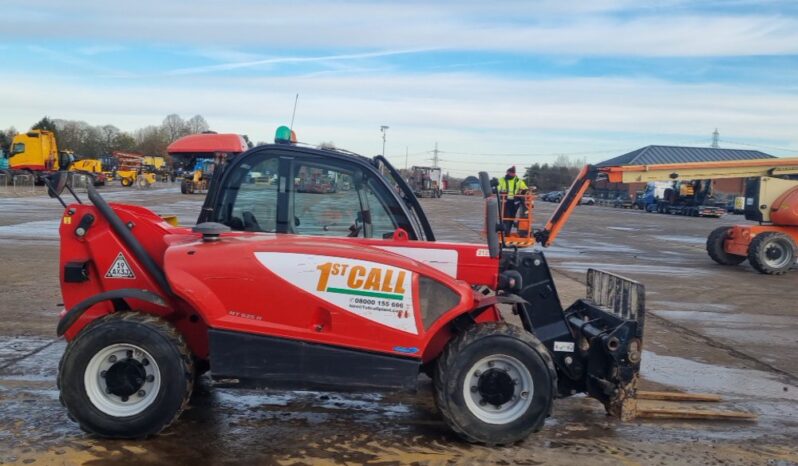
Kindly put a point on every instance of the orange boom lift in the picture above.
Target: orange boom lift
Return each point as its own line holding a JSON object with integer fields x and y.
{"x": 771, "y": 199}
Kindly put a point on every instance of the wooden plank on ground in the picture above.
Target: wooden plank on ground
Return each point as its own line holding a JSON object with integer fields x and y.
{"x": 676, "y": 396}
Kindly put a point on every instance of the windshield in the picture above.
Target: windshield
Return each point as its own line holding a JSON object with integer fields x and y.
{"x": 18, "y": 148}
{"x": 399, "y": 185}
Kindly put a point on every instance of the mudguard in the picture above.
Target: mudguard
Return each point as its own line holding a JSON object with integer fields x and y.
{"x": 71, "y": 316}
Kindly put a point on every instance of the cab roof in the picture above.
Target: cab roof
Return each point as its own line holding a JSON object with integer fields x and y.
{"x": 208, "y": 142}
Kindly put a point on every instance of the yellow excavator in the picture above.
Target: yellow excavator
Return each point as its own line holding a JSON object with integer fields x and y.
{"x": 92, "y": 167}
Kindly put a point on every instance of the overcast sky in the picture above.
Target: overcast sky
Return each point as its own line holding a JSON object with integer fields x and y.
{"x": 494, "y": 83}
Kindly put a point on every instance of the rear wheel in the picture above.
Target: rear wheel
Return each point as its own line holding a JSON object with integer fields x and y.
{"x": 772, "y": 253}
{"x": 494, "y": 384}
{"x": 126, "y": 375}
{"x": 716, "y": 250}
{"x": 126, "y": 182}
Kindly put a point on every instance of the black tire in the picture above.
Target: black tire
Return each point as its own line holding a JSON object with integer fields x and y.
{"x": 172, "y": 364}
{"x": 470, "y": 349}
{"x": 183, "y": 188}
{"x": 716, "y": 250}
{"x": 126, "y": 182}
{"x": 772, "y": 253}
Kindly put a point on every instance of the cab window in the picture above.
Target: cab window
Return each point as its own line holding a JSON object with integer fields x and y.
{"x": 251, "y": 199}
{"x": 18, "y": 148}
{"x": 339, "y": 199}
{"x": 309, "y": 196}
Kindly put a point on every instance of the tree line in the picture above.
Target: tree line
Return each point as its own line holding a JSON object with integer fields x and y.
{"x": 555, "y": 176}
{"x": 88, "y": 141}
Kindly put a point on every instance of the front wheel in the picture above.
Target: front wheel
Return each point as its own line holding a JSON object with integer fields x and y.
{"x": 494, "y": 384}
{"x": 716, "y": 249}
{"x": 126, "y": 375}
{"x": 772, "y": 253}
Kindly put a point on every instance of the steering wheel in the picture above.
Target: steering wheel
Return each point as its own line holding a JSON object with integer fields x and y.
{"x": 250, "y": 222}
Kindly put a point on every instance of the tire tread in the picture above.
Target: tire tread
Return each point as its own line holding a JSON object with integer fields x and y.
{"x": 167, "y": 331}
{"x": 459, "y": 343}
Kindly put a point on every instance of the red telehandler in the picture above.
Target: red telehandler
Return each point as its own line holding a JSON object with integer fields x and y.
{"x": 257, "y": 292}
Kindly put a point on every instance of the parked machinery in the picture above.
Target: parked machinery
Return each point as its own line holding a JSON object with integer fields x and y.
{"x": 771, "y": 200}
{"x": 132, "y": 170}
{"x": 195, "y": 156}
{"x": 92, "y": 168}
{"x": 148, "y": 308}
{"x": 36, "y": 153}
{"x": 426, "y": 181}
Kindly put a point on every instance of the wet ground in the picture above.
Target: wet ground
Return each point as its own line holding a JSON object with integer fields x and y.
{"x": 725, "y": 330}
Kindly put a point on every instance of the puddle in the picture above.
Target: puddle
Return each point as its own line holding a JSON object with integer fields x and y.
{"x": 371, "y": 402}
{"x": 697, "y": 240}
{"x": 38, "y": 230}
{"x": 687, "y": 272}
{"x": 686, "y": 306}
{"x": 758, "y": 320}
{"x": 700, "y": 377}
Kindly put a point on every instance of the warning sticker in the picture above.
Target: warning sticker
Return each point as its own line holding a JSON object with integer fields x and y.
{"x": 375, "y": 291}
{"x": 120, "y": 269}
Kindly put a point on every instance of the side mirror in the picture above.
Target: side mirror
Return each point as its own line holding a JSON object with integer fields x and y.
{"x": 65, "y": 159}
{"x": 56, "y": 183}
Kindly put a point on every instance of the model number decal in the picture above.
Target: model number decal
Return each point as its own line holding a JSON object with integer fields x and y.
{"x": 564, "y": 346}
{"x": 245, "y": 315}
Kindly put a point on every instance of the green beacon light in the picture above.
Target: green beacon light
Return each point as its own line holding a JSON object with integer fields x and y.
{"x": 283, "y": 135}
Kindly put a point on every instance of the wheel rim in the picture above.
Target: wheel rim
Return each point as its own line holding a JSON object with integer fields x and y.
{"x": 778, "y": 254}
{"x": 122, "y": 380}
{"x": 498, "y": 389}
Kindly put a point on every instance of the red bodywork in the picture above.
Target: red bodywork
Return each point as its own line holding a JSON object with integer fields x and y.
{"x": 222, "y": 285}
{"x": 208, "y": 143}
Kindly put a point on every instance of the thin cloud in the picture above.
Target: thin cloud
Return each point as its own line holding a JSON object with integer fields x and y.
{"x": 289, "y": 60}
{"x": 77, "y": 62}
{"x": 99, "y": 49}
{"x": 670, "y": 28}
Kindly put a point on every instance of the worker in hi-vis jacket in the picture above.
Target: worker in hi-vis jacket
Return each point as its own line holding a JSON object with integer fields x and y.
{"x": 511, "y": 185}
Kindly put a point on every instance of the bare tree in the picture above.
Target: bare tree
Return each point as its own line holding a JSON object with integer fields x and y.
{"x": 71, "y": 135}
{"x": 152, "y": 140}
{"x": 197, "y": 124}
{"x": 174, "y": 127}
{"x": 124, "y": 142}
{"x": 109, "y": 135}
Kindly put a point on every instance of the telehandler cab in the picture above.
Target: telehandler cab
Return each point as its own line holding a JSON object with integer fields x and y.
{"x": 344, "y": 290}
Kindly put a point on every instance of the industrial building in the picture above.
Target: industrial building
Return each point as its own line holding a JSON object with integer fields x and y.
{"x": 655, "y": 155}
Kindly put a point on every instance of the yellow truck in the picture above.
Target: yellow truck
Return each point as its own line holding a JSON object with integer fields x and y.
{"x": 34, "y": 151}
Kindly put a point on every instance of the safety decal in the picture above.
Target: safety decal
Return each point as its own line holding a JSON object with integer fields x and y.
{"x": 375, "y": 291}
{"x": 120, "y": 269}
